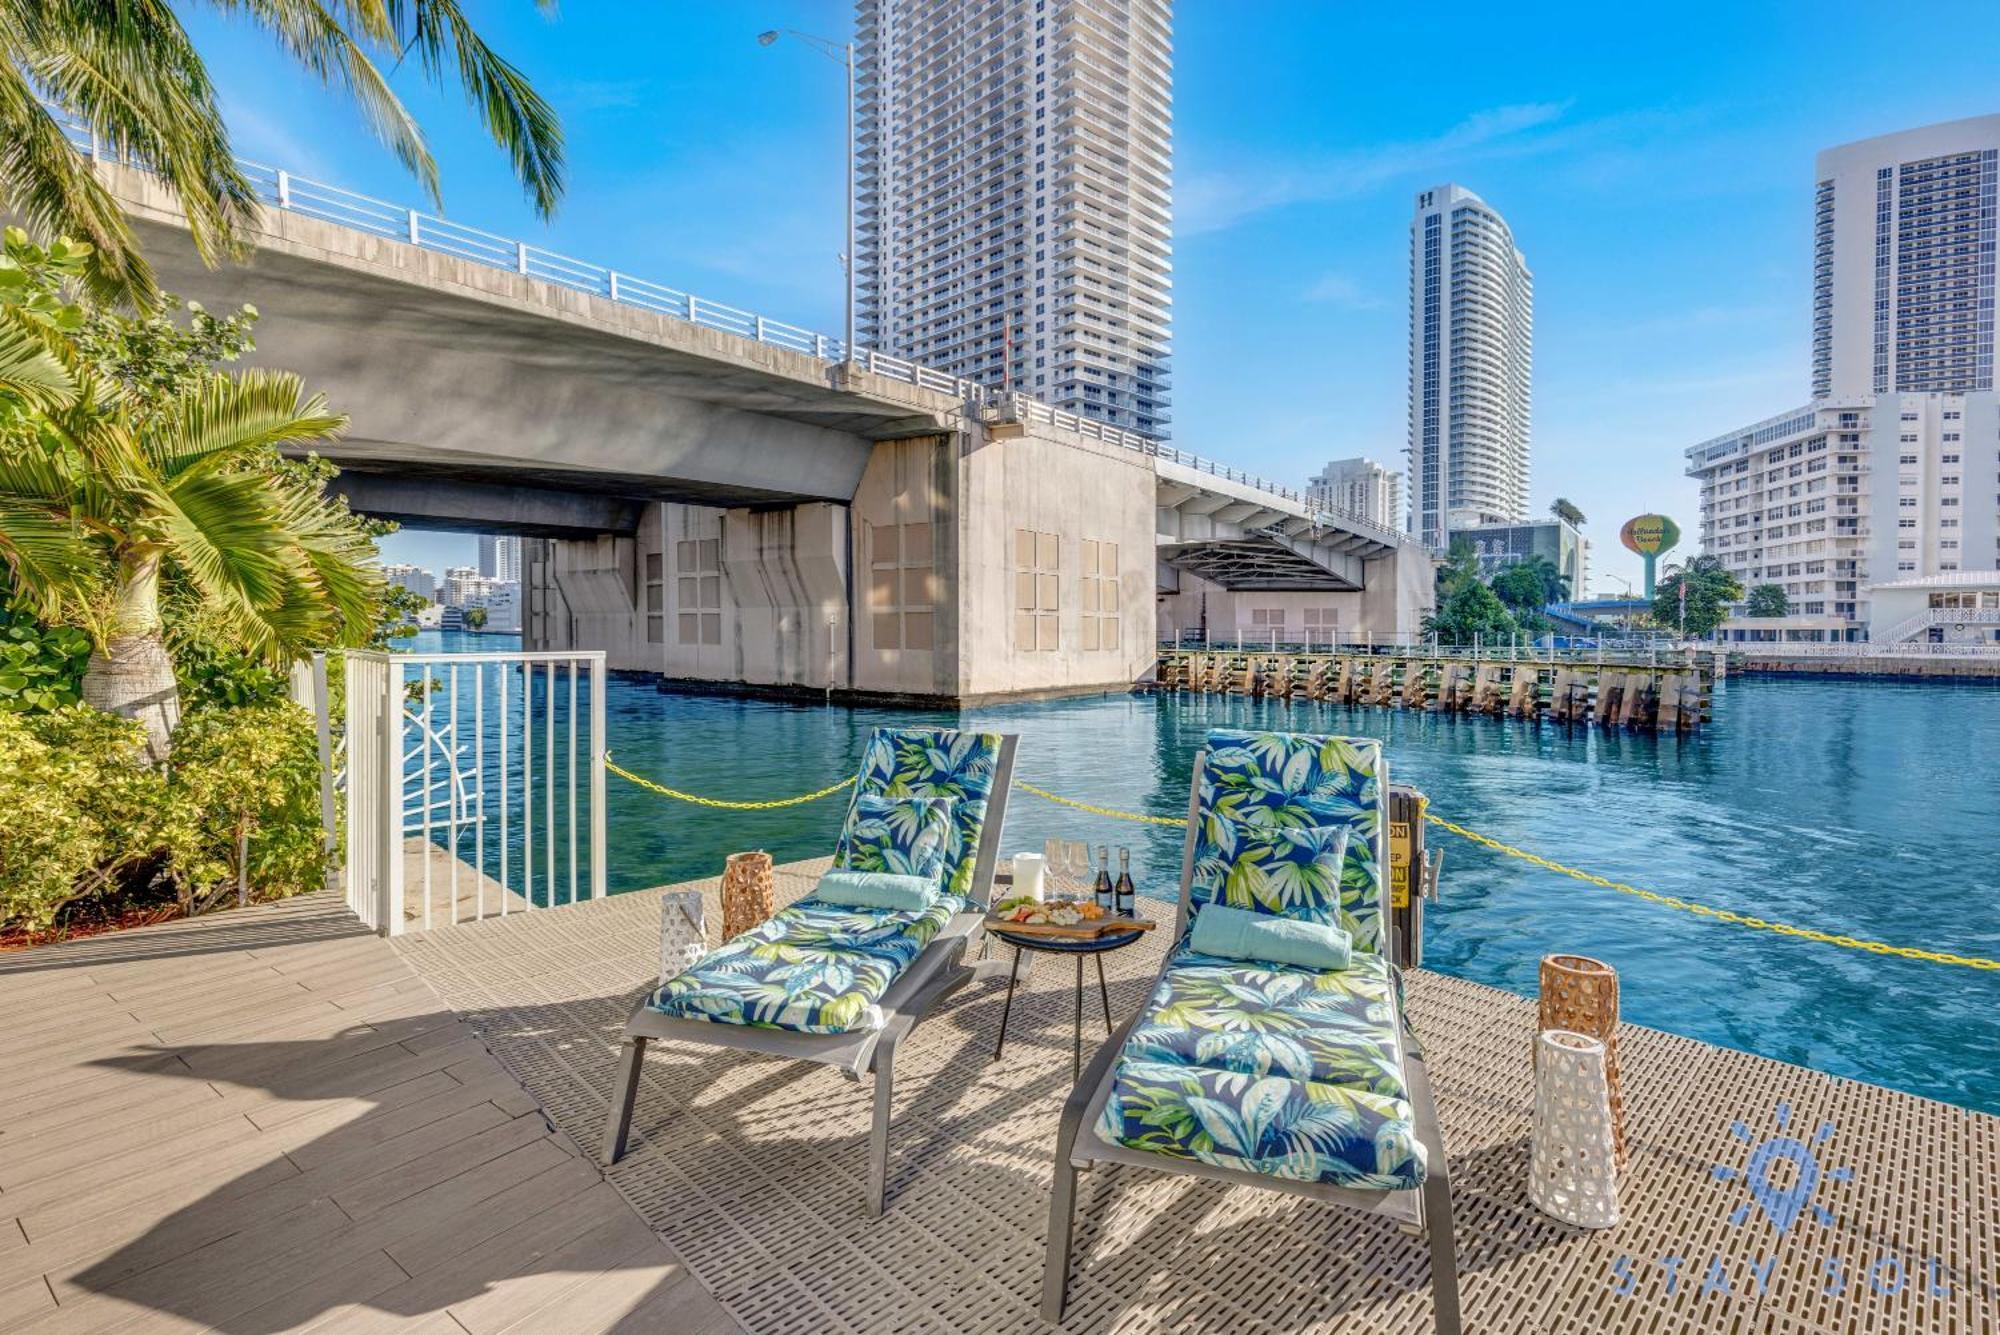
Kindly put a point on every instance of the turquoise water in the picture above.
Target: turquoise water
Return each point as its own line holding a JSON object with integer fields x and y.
{"x": 1865, "y": 808}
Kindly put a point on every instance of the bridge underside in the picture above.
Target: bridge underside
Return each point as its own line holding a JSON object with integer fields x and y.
{"x": 1255, "y": 563}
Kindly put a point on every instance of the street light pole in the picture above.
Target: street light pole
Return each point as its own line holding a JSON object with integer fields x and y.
{"x": 842, "y": 54}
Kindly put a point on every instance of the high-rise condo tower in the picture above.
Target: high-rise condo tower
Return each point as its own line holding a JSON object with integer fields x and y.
{"x": 1472, "y": 324}
{"x": 1015, "y": 196}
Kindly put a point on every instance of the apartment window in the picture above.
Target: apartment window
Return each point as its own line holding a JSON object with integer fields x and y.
{"x": 901, "y": 597}
{"x": 1100, "y": 594}
{"x": 698, "y": 566}
{"x": 1037, "y": 591}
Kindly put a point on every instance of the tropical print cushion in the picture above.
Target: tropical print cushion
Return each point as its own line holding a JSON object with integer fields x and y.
{"x": 1272, "y": 869}
{"x": 1271, "y": 1069}
{"x": 1335, "y": 1027}
{"x": 1297, "y": 1129}
{"x": 811, "y": 968}
{"x": 958, "y": 767}
{"x": 1293, "y": 781}
{"x": 905, "y": 836}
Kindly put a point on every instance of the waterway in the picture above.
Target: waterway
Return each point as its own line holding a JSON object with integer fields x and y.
{"x": 1871, "y": 809}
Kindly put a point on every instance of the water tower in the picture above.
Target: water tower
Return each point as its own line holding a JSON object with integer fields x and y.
{"x": 1648, "y": 536}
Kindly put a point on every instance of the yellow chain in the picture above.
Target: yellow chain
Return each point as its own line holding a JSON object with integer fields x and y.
{"x": 723, "y": 804}
{"x": 1099, "y": 811}
{"x": 1716, "y": 914}
{"x": 1485, "y": 841}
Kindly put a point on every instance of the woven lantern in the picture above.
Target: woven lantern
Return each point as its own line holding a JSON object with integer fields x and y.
{"x": 1572, "y": 1173}
{"x": 1580, "y": 996}
{"x": 748, "y": 890}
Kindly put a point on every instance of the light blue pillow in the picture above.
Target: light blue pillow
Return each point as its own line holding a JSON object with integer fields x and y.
{"x": 877, "y": 890}
{"x": 1240, "y": 934}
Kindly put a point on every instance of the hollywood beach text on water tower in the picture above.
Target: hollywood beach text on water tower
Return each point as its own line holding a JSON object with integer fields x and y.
{"x": 1648, "y": 536}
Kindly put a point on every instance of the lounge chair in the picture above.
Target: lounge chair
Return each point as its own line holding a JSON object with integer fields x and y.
{"x": 1262, "y": 1075}
{"x": 841, "y": 986}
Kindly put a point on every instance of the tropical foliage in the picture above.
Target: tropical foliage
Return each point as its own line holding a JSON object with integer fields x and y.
{"x": 1472, "y": 614}
{"x": 1566, "y": 511}
{"x": 41, "y": 667}
{"x": 146, "y": 469}
{"x": 237, "y": 808}
{"x": 131, "y": 73}
{"x": 1767, "y": 600}
{"x": 1694, "y": 598}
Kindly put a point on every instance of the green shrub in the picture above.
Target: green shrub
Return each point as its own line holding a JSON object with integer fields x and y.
{"x": 41, "y": 667}
{"x": 82, "y": 810}
{"x": 245, "y": 779}
{"x": 86, "y": 816}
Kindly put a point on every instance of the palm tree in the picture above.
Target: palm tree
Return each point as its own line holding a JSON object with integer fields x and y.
{"x": 89, "y": 525}
{"x": 1566, "y": 511}
{"x": 130, "y": 72}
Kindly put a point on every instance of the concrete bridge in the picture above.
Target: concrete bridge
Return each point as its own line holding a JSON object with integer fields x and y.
{"x": 720, "y": 497}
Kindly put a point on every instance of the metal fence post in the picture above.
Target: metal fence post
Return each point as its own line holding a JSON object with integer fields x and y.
{"x": 323, "y": 729}
{"x": 520, "y": 251}
{"x": 597, "y": 812}
{"x": 389, "y": 811}
{"x": 415, "y": 238}
{"x": 284, "y": 189}
{"x": 612, "y": 283}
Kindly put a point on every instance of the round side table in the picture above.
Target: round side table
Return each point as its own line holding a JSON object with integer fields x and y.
{"x": 1094, "y": 946}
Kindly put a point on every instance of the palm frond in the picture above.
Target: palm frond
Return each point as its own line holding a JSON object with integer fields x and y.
{"x": 222, "y": 530}
{"x": 515, "y": 114}
{"x": 55, "y": 191}
{"x": 30, "y": 372}
{"x": 130, "y": 71}
{"x": 315, "y": 37}
{"x": 231, "y": 417}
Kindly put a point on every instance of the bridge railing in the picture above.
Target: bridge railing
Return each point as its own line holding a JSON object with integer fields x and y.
{"x": 292, "y": 193}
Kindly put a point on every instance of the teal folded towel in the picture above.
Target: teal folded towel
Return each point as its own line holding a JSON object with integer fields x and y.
{"x": 1239, "y": 934}
{"x": 877, "y": 890}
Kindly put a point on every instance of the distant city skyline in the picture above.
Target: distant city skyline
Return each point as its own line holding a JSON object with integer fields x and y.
{"x": 1663, "y": 183}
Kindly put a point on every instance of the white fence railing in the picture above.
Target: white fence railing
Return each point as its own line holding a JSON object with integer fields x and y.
{"x": 281, "y": 189}
{"x": 475, "y": 785}
{"x": 1865, "y": 649}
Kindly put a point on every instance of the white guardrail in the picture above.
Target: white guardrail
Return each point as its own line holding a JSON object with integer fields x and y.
{"x": 281, "y": 189}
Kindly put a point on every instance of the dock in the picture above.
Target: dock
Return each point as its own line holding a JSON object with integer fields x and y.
{"x": 1610, "y": 692}
{"x": 270, "y": 1120}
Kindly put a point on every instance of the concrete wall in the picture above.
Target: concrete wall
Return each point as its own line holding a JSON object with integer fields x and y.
{"x": 933, "y": 538}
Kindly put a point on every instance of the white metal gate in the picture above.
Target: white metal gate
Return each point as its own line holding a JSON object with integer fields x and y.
{"x": 475, "y": 785}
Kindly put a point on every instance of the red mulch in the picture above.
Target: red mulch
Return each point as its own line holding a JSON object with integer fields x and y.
{"x": 112, "y": 918}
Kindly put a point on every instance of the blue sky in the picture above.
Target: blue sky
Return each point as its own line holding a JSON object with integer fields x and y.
{"x": 1655, "y": 164}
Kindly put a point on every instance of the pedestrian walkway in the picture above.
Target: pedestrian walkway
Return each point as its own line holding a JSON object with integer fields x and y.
{"x": 264, "y": 1121}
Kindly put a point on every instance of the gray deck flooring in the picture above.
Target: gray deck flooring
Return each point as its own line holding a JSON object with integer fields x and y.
{"x": 266, "y": 1121}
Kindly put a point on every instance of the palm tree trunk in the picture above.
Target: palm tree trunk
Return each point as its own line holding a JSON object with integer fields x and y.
{"x": 131, "y": 675}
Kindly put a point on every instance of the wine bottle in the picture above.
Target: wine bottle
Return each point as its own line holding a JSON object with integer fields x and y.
{"x": 1103, "y": 886}
{"x": 1123, "y": 893}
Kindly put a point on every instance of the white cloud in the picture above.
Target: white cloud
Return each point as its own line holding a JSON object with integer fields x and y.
{"x": 1337, "y": 289}
{"x": 1211, "y": 201}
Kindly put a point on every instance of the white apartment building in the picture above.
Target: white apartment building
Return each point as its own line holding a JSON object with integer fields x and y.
{"x": 1845, "y": 494}
{"x": 1903, "y": 258}
{"x": 500, "y": 557}
{"x": 1361, "y": 487}
{"x": 414, "y": 578}
{"x": 1890, "y": 478}
{"x": 1472, "y": 326}
{"x": 1015, "y": 206}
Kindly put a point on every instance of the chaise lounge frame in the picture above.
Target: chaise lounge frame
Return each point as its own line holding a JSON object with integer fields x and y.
{"x": 937, "y": 971}
{"x": 1424, "y": 1210}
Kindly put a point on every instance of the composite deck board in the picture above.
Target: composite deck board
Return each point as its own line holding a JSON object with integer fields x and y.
{"x": 265, "y": 1120}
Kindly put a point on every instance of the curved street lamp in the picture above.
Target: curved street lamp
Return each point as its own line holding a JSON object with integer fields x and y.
{"x": 842, "y": 54}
